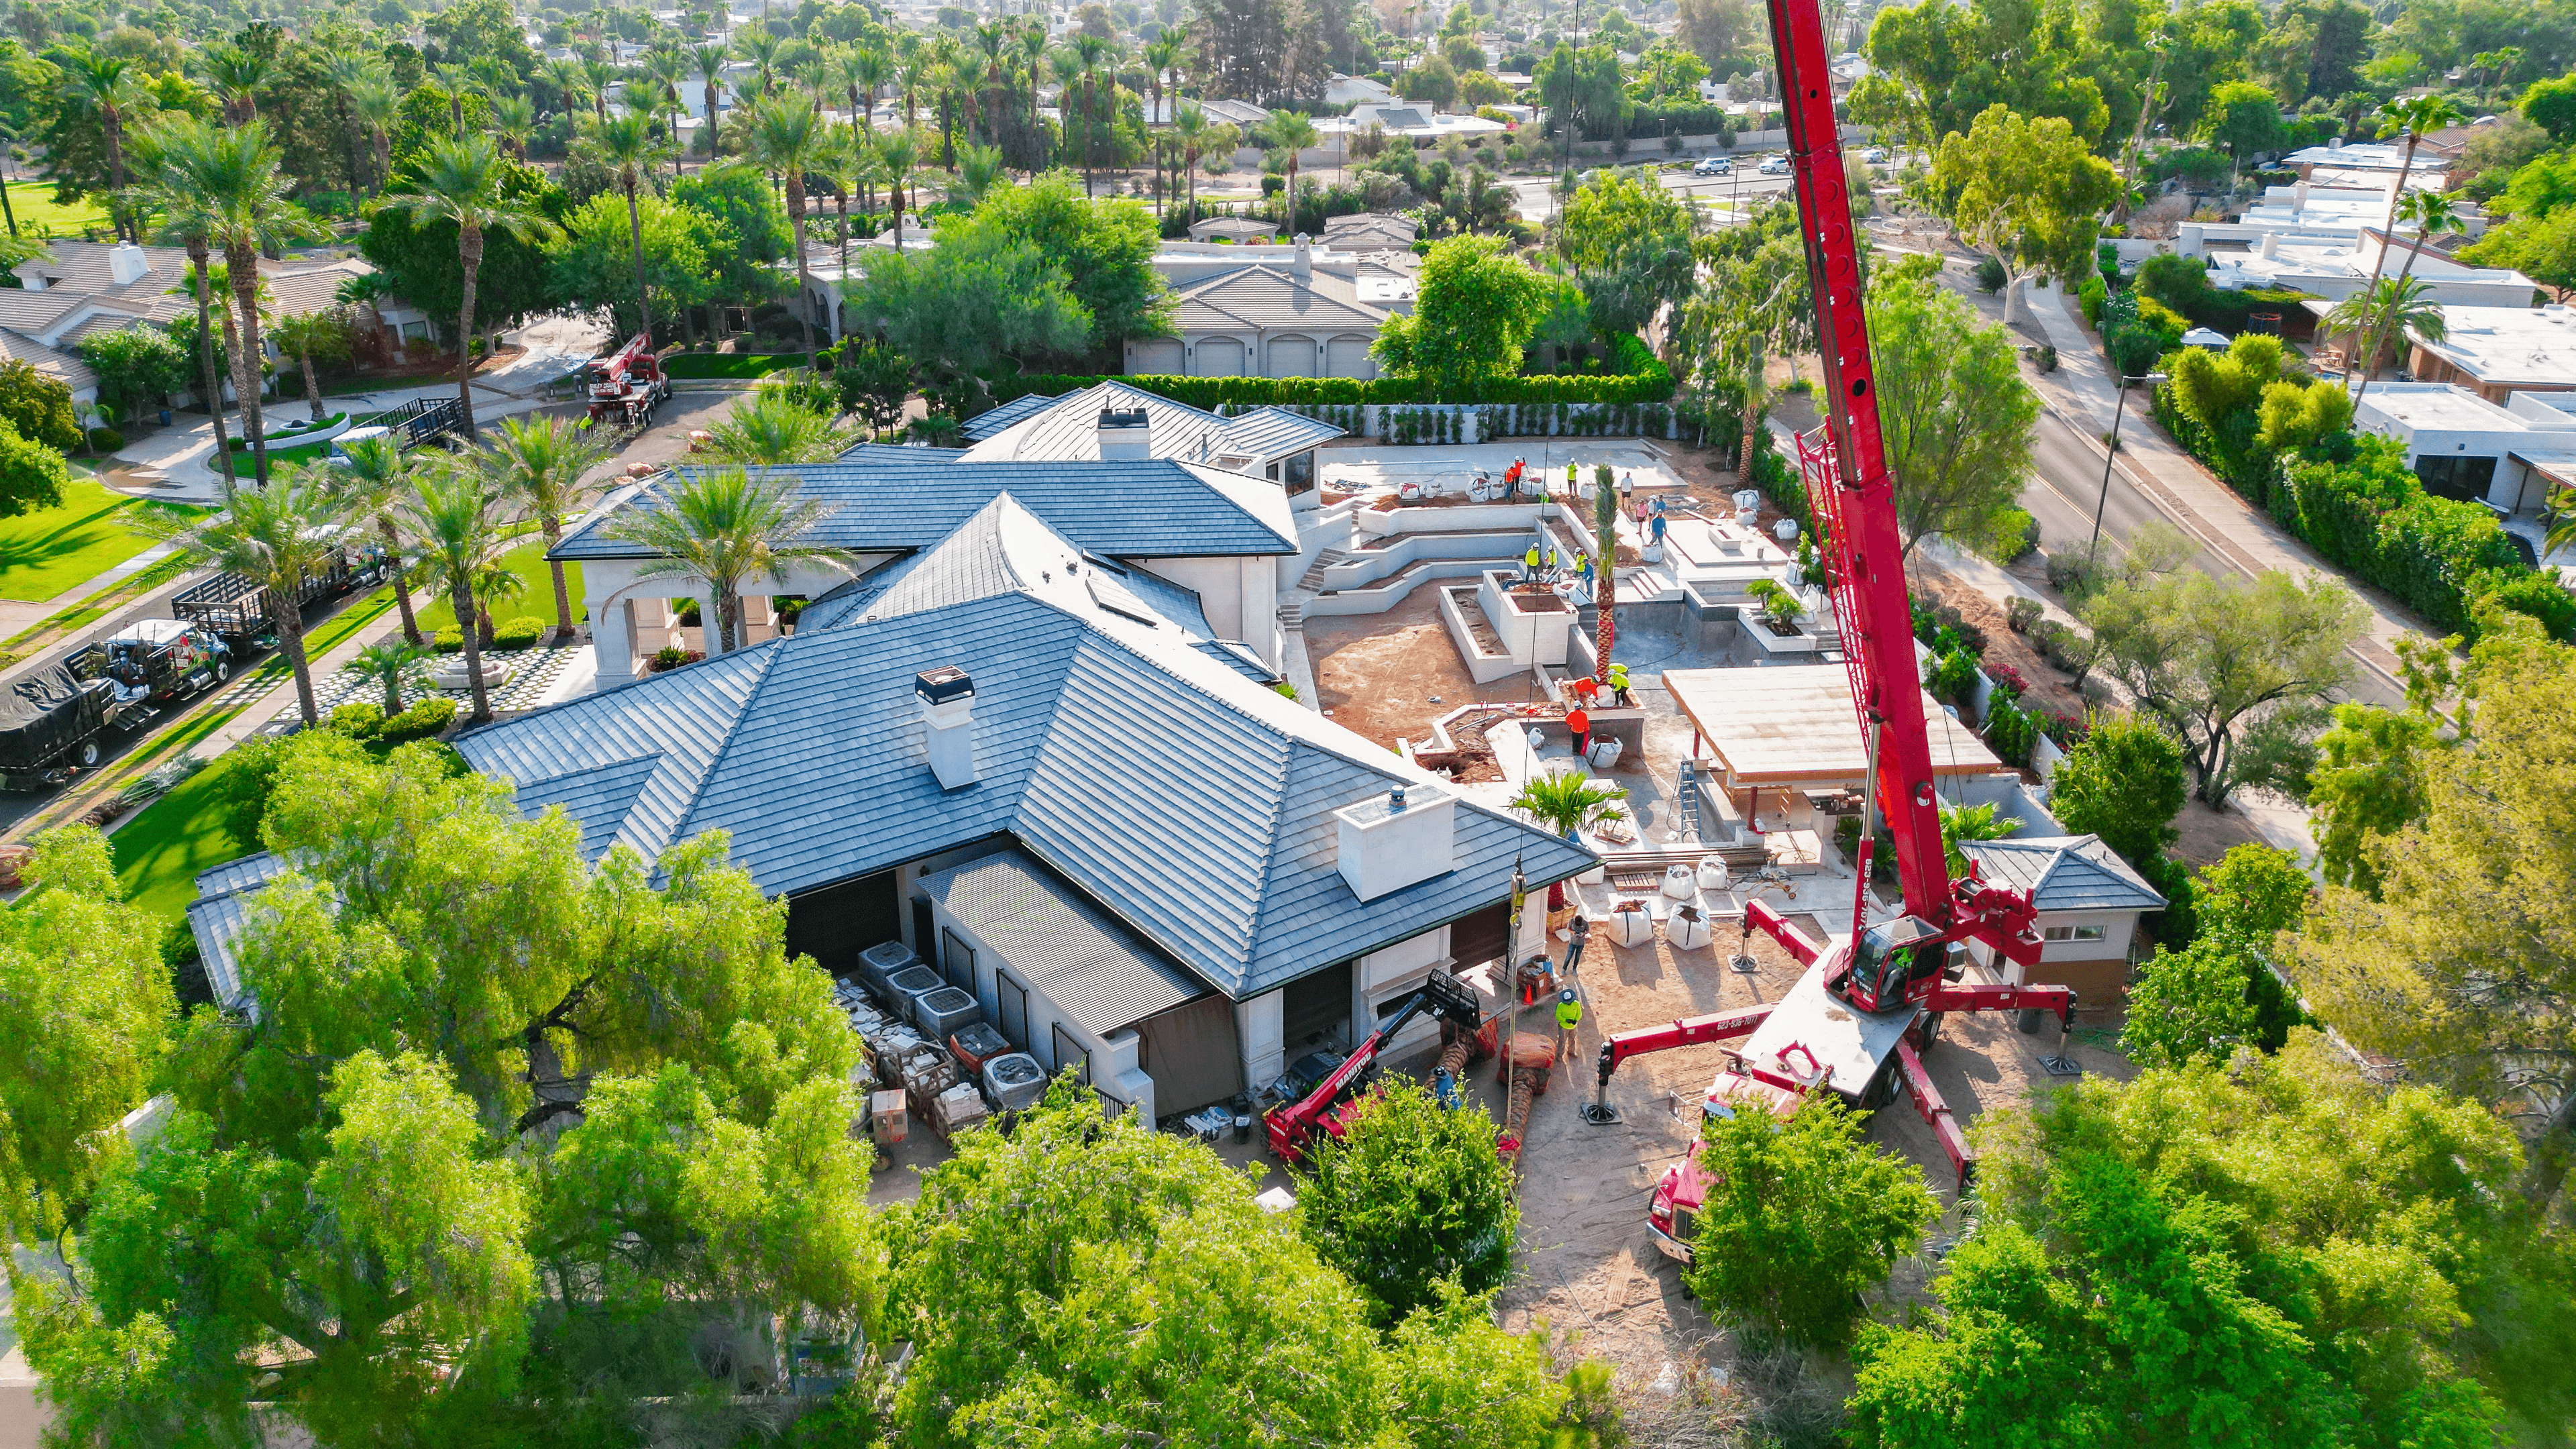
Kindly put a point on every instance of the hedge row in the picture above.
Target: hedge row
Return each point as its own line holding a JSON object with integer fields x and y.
{"x": 1641, "y": 378}
{"x": 731, "y": 364}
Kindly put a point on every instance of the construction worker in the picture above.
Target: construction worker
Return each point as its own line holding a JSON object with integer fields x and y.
{"x": 1569, "y": 1015}
{"x": 1551, "y": 560}
{"x": 1570, "y": 480}
{"x": 1529, "y": 563}
{"x": 1615, "y": 678}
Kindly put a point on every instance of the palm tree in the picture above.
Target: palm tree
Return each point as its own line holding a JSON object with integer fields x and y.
{"x": 455, "y": 82}
{"x": 179, "y": 153}
{"x": 1090, "y": 54}
{"x": 771, "y": 430}
{"x": 108, "y": 87}
{"x": 247, "y": 192}
{"x": 710, "y": 62}
{"x": 782, "y": 139}
{"x": 668, "y": 69}
{"x": 541, "y": 462}
{"x": 376, "y": 477}
{"x": 394, "y": 665}
{"x": 761, "y": 48}
{"x": 2389, "y": 310}
{"x": 303, "y": 336}
{"x": 1567, "y": 802}
{"x": 979, "y": 170}
{"x": 457, "y": 517}
{"x": 1960, "y": 823}
{"x": 2417, "y": 116}
{"x": 564, "y": 74}
{"x": 899, "y": 153}
{"x": 597, "y": 75}
{"x": 1033, "y": 50}
{"x": 1291, "y": 132}
{"x": 864, "y": 70}
{"x": 846, "y": 161}
{"x": 278, "y": 537}
{"x": 514, "y": 120}
{"x": 375, "y": 104}
{"x": 236, "y": 76}
{"x": 989, "y": 42}
{"x": 2562, "y": 521}
{"x": 726, "y": 528}
{"x": 911, "y": 68}
{"x": 460, "y": 181}
{"x": 2431, "y": 212}
{"x": 1162, "y": 57}
{"x": 1190, "y": 124}
{"x": 626, "y": 145}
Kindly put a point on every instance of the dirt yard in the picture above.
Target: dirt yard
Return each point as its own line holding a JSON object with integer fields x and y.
{"x": 1390, "y": 675}
{"x": 2048, "y": 688}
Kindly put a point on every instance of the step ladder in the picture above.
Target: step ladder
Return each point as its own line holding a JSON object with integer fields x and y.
{"x": 1686, "y": 788}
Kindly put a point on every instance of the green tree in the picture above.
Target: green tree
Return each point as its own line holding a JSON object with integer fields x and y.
{"x": 2368, "y": 784}
{"x": 2244, "y": 118}
{"x": 1801, "y": 1215}
{"x": 1750, "y": 306}
{"x": 279, "y": 536}
{"x": 2189, "y": 1005}
{"x": 2414, "y": 117}
{"x": 2551, "y": 105}
{"x": 592, "y": 263}
{"x": 32, "y": 475}
{"x": 177, "y": 156}
{"x": 2458, "y": 967}
{"x": 468, "y": 185}
{"x": 84, "y": 994}
{"x": 725, "y": 528}
{"x": 1105, "y": 248}
{"x": 137, "y": 367}
{"x": 2238, "y": 670}
{"x": 311, "y": 337}
{"x": 2202, "y": 1257}
{"x": 396, "y": 666}
{"x": 1412, "y": 1194}
{"x": 978, "y": 302}
{"x": 1959, "y": 420}
{"x": 541, "y": 462}
{"x": 2125, "y": 782}
{"x": 782, "y": 137}
{"x": 1628, "y": 241}
{"x": 2027, "y": 191}
{"x": 457, "y": 518}
{"x": 626, "y": 144}
{"x": 1475, "y": 310}
{"x": 248, "y": 204}
{"x": 373, "y": 477}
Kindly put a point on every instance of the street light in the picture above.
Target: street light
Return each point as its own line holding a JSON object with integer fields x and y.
{"x": 2108, "y": 458}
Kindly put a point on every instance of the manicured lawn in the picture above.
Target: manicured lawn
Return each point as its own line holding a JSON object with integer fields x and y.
{"x": 34, "y": 204}
{"x": 537, "y": 601}
{"x": 159, "y": 852}
{"x": 44, "y": 553}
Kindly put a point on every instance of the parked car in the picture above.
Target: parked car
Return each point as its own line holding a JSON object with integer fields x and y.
{"x": 1875, "y": 156}
{"x": 1775, "y": 165}
{"x": 1714, "y": 166}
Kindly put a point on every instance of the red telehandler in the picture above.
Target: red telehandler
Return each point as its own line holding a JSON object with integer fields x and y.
{"x": 1855, "y": 1021}
{"x": 1291, "y": 1126}
{"x": 627, "y": 385}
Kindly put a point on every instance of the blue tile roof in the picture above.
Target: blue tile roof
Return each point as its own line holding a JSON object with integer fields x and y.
{"x": 1153, "y": 508}
{"x": 2064, "y": 873}
{"x": 1185, "y": 799}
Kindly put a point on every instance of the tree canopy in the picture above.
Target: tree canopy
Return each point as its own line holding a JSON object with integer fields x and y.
{"x": 1958, "y": 418}
{"x": 1476, "y": 309}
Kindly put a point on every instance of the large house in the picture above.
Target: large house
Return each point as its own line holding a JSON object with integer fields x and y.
{"x": 2496, "y": 352}
{"x": 1269, "y": 318}
{"x": 1113, "y": 422}
{"x": 1047, "y": 773}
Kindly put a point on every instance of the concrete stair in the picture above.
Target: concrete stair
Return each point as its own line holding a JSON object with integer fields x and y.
{"x": 1313, "y": 579}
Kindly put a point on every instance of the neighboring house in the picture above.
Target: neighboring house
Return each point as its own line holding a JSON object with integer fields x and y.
{"x": 2088, "y": 900}
{"x": 1371, "y": 231}
{"x": 1045, "y": 775}
{"x": 2496, "y": 352}
{"x": 79, "y": 288}
{"x": 1215, "y": 532}
{"x": 829, "y": 299}
{"x": 2330, "y": 270}
{"x": 2311, "y": 214}
{"x": 1286, "y": 318}
{"x": 1115, "y": 422}
{"x": 1411, "y": 120}
{"x": 2382, "y": 160}
{"x": 2506, "y": 456}
{"x": 1344, "y": 90}
{"x": 1233, "y": 229}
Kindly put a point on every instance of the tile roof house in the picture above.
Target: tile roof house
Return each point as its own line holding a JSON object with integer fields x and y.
{"x": 2089, "y": 901}
{"x": 1371, "y": 231}
{"x": 1224, "y": 535}
{"x": 1283, "y": 318}
{"x": 1044, "y": 772}
{"x": 1111, "y": 420}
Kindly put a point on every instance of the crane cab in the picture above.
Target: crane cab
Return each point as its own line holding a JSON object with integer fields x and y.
{"x": 1894, "y": 963}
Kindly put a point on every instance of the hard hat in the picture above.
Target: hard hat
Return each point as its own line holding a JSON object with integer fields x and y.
{"x": 1566, "y": 996}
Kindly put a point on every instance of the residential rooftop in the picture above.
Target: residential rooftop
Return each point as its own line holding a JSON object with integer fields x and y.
{"x": 2064, "y": 873}
{"x": 2512, "y": 346}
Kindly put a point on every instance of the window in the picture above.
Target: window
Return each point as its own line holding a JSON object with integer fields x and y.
{"x": 415, "y": 331}
{"x": 2071, "y": 933}
{"x": 956, "y": 960}
{"x": 1301, "y": 472}
{"x": 1069, "y": 1053}
{"x": 2088, "y": 933}
{"x": 2464, "y": 479}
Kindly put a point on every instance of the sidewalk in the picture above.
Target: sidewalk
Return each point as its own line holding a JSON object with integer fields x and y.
{"x": 2081, "y": 392}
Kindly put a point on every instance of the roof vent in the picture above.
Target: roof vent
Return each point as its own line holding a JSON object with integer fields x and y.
{"x": 126, "y": 264}
{"x": 947, "y": 698}
{"x": 1127, "y": 434}
{"x": 1397, "y": 839}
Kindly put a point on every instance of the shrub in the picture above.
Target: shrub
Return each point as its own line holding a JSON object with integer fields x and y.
{"x": 2527, "y": 591}
{"x": 2011, "y": 732}
{"x": 2046, "y": 358}
{"x": 2090, "y": 297}
{"x": 448, "y": 640}
{"x": 1413, "y": 1193}
{"x": 520, "y": 632}
{"x": 105, "y": 440}
{"x": 2124, "y": 782}
{"x": 1991, "y": 275}
{"x": 419, "y": 722}
{"x": 2020, "y": 614}
{"x": 2007, "y": 680}
{"x": 670, "y": 656}
{"x": 1954, "y": 678}
{"x": 359, "y": 721}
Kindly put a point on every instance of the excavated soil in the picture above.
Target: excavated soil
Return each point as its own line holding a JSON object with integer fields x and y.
{"x": 1388, "y": 676}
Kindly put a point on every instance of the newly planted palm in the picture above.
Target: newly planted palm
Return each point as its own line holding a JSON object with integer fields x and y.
{"x": 396, "y": 666}
{"x": 1291, "y": 133}
{"x": 2432, "y": 214}
{"x": 725, "y": 528}
{"x": 626, "y": 145}
{"x": 897, "y": 155}
{"x": 462, "y": 182}
{"x": 373, "y": 480}
{"x": 541, "y": 462}
{"x": 1190, "y": 127}
{"x": 457, "y": 518}
{"x": 1567, "y": 802}
{"x": 771, "y": 429}
{"x": 782, "y": 137}
{"x": 979, "y": 170}
{"x": 308, "y": 335}
{"x": 279, "y": 537}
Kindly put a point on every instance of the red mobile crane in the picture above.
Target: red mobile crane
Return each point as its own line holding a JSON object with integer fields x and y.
{"x": 1855, "y": 1021}
{"x": 1292, "y": 1126}
{"x": 628, "y": 384}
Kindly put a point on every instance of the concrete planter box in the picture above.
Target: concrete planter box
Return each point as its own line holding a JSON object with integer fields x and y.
{"x": 451, "y": 672}
{"x": 1781, "y": 648}
{"x": 1534, "y": 631}
{"x": 1452, "y": 518}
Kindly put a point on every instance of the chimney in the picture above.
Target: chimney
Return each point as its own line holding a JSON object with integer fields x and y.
{"x": 1125, "y": 435}
{"x": 126, "y": 264}
{"x": 1304, "y": 267}
{"x": 947, "y": 700}
{"x": 2271, "y": 245}
{"x": 1397, "y": 839}
{"x": 2299, "y": 195}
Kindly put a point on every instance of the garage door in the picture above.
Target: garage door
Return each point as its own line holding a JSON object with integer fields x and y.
{"x": 1155, "y": 356}
{"x": 1349, "y": 357}
{"x": 1292, "y": 356}
{"x": 1218, "y": 357}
